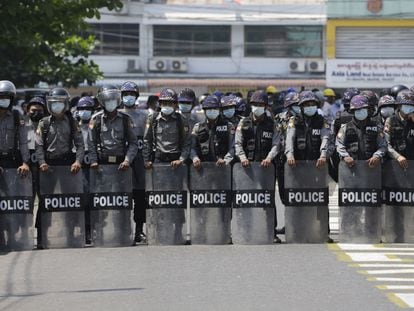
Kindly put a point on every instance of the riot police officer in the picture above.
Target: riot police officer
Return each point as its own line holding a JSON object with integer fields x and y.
{"x": 186, "y": 102}
{"x": 129, "y": 95}
{"x": 212, "y": 140}
{"x": 167, "y": 137}
{"x": 386, "y": 106}
{"x": 257, "y": 138}
{"x": 345, "y": 116}
{"x": 399, "y": 130}
{"x": 361, "y": 138}
{"x": 307, "y": 136}
{"x": 228, "y": 108}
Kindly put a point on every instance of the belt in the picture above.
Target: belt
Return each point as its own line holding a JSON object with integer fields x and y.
{"x": 167, "y": 157}
{"x": 103, "y": 159}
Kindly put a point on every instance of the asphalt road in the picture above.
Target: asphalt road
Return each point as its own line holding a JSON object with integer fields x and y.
{"x": 274, "y": 277}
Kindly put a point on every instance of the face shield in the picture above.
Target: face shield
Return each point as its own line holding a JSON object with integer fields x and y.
{"x": 57, "y": 105}
{"x": 110, "y": 99}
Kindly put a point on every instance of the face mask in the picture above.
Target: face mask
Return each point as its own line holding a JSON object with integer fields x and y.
{"x": 129, "y": 100}
{"x": 185, "y": 108}
{"x": 36, "y": 116}
{"x": 85, "y": 115}
{"x": 361, "y": 114}
{"x": 111, "y": 105}
{"x": 57, "y": 108}
{"x": 4, "y": 103}
{"x": 296, "y": 110}
{"x": 407, "y": 109}
{"x": 212, "y": 114}
{"x": 167, "y": 110}
{"x": 387, "y": 112}
{"x": 258, "y": 111}
{"x": 229, "y": 113}
{"x": 310, "y": 111}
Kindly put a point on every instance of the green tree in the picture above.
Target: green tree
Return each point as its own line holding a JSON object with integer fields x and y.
{"x": 40, "y": 41}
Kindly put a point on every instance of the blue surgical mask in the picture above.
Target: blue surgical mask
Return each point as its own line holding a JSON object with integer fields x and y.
{"x": 296, "y": 110}
{"x": 229, "y": 113}
{"x": 407, "y": 109}
{"x": 85, "y": 115}
{"x": 111, "y": 105}
{"x": 212, "y": 114}
{"x": 57, "y": 107}
{"x": 387, "y": 112}
{"x": 4, "y": 103}
{"x": 310, "y": 111}
{"x": 167, "y": 110}
{"x": 129, "y": 100}
{"x": 361, "y": 114}
{"x": 185, "y": 108}
{"x": 258, "y": 111}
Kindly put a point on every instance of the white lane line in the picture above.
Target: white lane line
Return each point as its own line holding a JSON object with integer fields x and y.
{"x": 396, "y": 287}
{"x": 408, "y": 299}
{"x": 385, "y": 279}
{"x": 393, "y": 271}
{"x": 370, "y": 247}
{"x": 381, "y": 265}
{"x": 372, "y": 257}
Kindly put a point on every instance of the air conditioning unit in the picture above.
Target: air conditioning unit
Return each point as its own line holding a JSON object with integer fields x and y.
{"x": 157, "y": 65}
{"x": 316, "y": 65}
{"x": 297, "y": 65}
{"x": 178, "y": 65}
{"x": 132, "y": 66}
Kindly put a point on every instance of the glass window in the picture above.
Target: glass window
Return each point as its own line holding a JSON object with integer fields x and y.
{"x": 192, "y": 41}
{"x": 283, "y": 41}
{"x": 115, "y": 39}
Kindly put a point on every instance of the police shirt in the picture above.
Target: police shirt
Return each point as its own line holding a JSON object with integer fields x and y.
{"x": 139, "y": 119}
{"x": 7, "y": 136}
{"x": 107, "y": 136}
{"x": 58, "y": 143}
{"x": 341, "y": 147}
{"x": 405, "y": 143}
{"x": 239, "y": 139}
{"x": 167, "y": 137}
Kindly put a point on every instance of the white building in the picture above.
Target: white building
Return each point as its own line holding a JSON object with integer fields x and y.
{"x": 216, "y": 39}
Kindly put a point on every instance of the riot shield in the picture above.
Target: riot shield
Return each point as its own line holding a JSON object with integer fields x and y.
{"x": 210, "y": 204}
{"x": 307, "y": 198}
{"x": 62, "y": 208}
{"x": 253, "y": 204}
{"x": 16, "y": 211}
{"x": 166, "y": 191}
{"x": 398, "y": 215}
{"x": 359, "y": 203}
{"x": 111, "y": 194}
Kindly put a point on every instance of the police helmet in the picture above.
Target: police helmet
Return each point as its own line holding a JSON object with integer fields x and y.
{"x": 396, "y": 89}
{"x": 57, "y": 95}
{"x": 386, "y": 100}
{"x": 8, "y": 89}
{"x": 130, "y": 87}
{"x": 259, "y": 97}
{"x": 349, "y": 93}
{"x": 186, "y": 95}
{"x": 168, "y": 95}
{"x": 202, "y": 97}
{"x": 291, "y": 99}
{"x": 405, "y": 97}
{"x": 307, "y": 96}
{"x": 218, "y": 94}
{"x": 210, "y": 102}
{"x": 358, "y": 102}
{"x": 108, "y": 92}
{"x": 86, "y": 102}
{"x": 37, "y": 100}
{"x": 228, "y": 101}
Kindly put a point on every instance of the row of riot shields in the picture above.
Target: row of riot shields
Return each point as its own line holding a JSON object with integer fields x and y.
{"x": 106, "y": 193}
{"x": 224, "y": 204}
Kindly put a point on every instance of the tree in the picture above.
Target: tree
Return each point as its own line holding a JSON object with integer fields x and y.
{"x": 40, "y": 41}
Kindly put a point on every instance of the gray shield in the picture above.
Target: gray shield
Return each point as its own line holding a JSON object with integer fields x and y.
{"x": 398, "y": 216}
{"x": 210, "y": 202}
{"x": 62, "y": 208}
{"x": 307, "y": 197}
{"x": 253, "y": 204}
{"x": 16, "y": 211}
{"x": 111, "y": 203}
{"x": 359, "y": 203}
{"x": 166, "y": 190}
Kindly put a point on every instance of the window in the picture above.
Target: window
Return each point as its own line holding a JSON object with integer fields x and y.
{"x": 115, "y": 39}
{"x": 192, "y": 41}
{"x": 283, "y": 41}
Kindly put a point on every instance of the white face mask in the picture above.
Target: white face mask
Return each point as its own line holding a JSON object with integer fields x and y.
{"x": 310, "y": 111}
{"x": 111, "y": 105}
{"x": 4, "y": 103}
{"x": 85, "y": 115}
{"x": 167, "y": 110}
{"x": 185, "y": 108}
{"x": 57, "y": 107}
{"x": 387, "y": 111}
{"x": 229, "y": 113}
{"x": 407, "y": 109}
{"x": 258, "y": 111}
{"x": 129, "y": 100}
{"x": 212, "y": 114}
